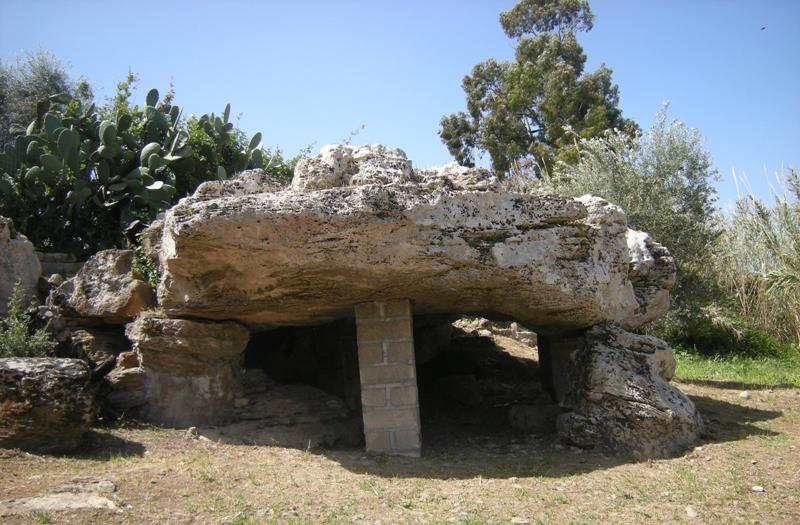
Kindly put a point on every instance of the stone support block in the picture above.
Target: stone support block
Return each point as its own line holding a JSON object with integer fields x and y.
{"x": 191, "y": 368}
{"x": 389, "y": 398}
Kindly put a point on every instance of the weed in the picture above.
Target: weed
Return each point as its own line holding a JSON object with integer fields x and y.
{"x": 41, "y": 517}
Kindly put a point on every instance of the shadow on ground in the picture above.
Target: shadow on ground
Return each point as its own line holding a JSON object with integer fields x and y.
{"x": 104, "y": 446}
{"x": 730, "y": 421}
{"x": 453, "y": 453}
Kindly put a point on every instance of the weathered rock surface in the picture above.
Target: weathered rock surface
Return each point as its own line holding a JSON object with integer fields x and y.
{"x": 99, "y": 344}
{"x": 620, "y": 399}
{"x": 80, "y": 494}
{"x": 18, "y": 263}
{"x": 360, "y": 224}
{"x": 191, "y": 368}
{"x": 652, "y": 273}
{"x": 46, "y": 404}
{"x": 299, "y": 416}
{"x": 105, "y": 288}
{"x": 342, "y": 165}
{"x": 478, "y": 326}
{"x": 126, "y": 385}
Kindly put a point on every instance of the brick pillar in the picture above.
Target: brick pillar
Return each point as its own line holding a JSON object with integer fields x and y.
{"x": 389, "y": 399}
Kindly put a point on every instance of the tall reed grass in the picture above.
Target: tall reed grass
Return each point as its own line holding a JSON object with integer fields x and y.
{"x": 758, "y": 260}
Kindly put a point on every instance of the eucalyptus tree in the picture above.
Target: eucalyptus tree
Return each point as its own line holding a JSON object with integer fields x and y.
{"x": 526, "y": 113}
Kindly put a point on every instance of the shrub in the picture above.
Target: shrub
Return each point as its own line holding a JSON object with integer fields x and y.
{"x": 29, "y": 80}
{"x": 16, "y": 338}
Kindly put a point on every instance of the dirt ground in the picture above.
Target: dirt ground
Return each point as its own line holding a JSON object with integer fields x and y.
{"x": 168, "y": 476}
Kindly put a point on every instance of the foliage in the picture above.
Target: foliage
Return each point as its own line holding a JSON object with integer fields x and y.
{"x": 758, "y": 264}
{"x": 521, "y": 112}
{"x": 16, "y": 339}
{"x": 79, "y": 179}
{"x": 28, "y": 81}
{"x": 144, "y": 267}
{"x": 662, "y": 179}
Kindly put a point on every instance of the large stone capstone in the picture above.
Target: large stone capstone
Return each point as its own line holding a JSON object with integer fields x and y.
{"x": 359, "y": 224}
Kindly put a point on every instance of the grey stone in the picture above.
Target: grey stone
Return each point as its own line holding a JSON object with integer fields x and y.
{"x": 534, "y": 418}
{"x": 619, "y": 400}
{"x": 298, "y": 416}
{"x": 46, "y": 404}
{"x": 105, "y": 288}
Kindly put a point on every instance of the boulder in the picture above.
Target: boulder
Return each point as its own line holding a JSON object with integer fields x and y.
{"x": 534, "y": 418}
{"x": 619, "y": 398}
{"x": 18, "y": 264}
{"x": 126, "y": 390}
{"x": 46, "y": 404}
{"x": 191, "y": 369}
{"x": 105, "y": 288}
{"x": 361, "y": 224}
{"x": 343, "y": 165}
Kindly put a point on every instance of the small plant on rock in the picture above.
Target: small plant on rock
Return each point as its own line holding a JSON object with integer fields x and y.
{"x": 16, "y": 339}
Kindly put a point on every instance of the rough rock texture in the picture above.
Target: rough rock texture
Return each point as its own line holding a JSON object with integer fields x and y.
{"x": 99, "y": 344}
{"x": 191, "y": 369}
{"x": 46, "y": 404}
{"x": 18, "y": 263}
{"x": 299, "y": 416}
{"x": 479, "y": 326}
{"x": 105, "y": 288}
{"x": 652, "y": 273}
{"x": 620, "y": 399}
{"x": 126, "y": 385}
{"x": 80, "y": 494}
{"x": 342, "y": 165}
{"x": 360, "y": 224}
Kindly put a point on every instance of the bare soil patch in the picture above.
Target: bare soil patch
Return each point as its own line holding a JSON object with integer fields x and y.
{"x": 474, "y": 470}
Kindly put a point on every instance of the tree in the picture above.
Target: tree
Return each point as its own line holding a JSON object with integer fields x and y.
{"x": 27, "y": 83}
{"x": 526, "y": 113}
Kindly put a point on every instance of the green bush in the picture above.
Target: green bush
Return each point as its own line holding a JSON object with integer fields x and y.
{"x": 144, "y": 267}
{"x": 709, "y": 334}
{"x": 16, "y": 337}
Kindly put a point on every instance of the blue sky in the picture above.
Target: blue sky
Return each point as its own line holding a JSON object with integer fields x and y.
{"x": 310, "y": 72}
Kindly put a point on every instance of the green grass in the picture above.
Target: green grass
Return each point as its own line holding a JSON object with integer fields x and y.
{"x": 759, "y": 371}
